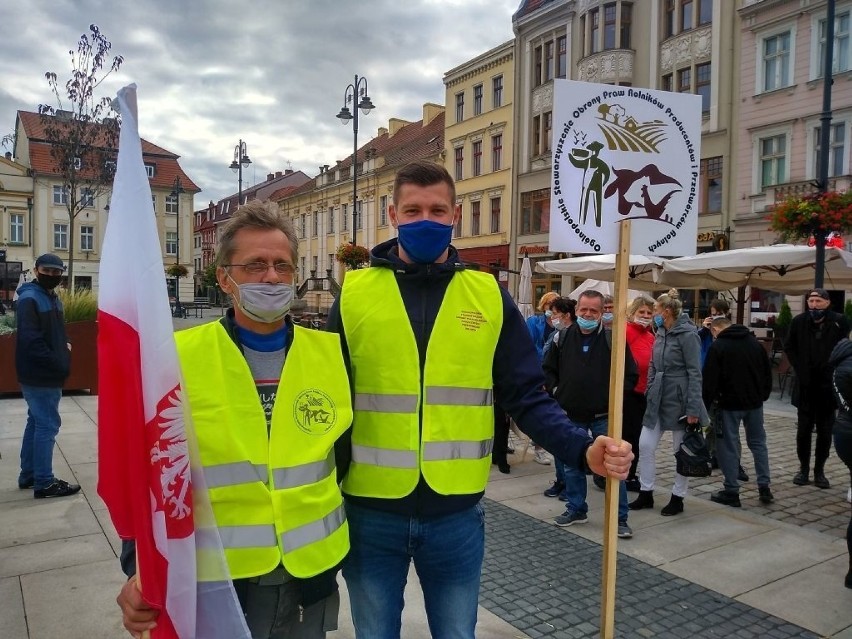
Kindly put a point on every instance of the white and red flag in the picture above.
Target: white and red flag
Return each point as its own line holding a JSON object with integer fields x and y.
{"x": 151, "y": 483}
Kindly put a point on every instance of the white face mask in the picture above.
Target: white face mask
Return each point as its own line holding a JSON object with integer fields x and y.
{"x": 264, "y": 302}
{"x": 557, "y": 323}
{"x": 642, "y": 321}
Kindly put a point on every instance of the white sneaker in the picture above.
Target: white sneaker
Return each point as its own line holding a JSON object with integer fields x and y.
{"x": 542, "y": 457}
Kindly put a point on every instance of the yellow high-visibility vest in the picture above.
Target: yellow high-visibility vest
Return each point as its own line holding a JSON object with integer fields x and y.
{"x": 455, "y": 398}
{"x": 274, "y": 493}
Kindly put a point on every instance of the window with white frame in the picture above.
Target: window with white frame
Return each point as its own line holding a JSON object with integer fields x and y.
{"x": 154, "y": 203}
{"x": 775, "y": 56}
{"x": 60, "y": 236}
{"x": 772, "y": 159}
{"x": 331, "y": 224}
{"x": 171, "y": 242}
{"x": 16, "y": 228}
{"x": 87, "y": 238}
{"x": 475, "y": 214}
{"x": 841, "y": 53}
{"x": 172, "y": 204}
{"x": 344, "y": 217}
{"x": 150, "y": 169}
{"x": 315, "y": 229}
{"x": 87, "y": 197}
{"x": 60, "y": 194}
{"x": 383, "y": 210}
{"x": 836, "y": 149}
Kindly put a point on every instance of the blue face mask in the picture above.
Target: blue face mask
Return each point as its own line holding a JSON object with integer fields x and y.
{"x": 658, "y": 320}
{"x": 424, "y": 241}
{"x": 587, "y": 324}
{"x": 548, "y": 313}
{"x": 606, "y": 317}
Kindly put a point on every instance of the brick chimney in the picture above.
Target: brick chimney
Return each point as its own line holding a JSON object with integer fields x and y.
{"x": 278, "y": 174}
{"x": 288, "y": 171}
{"x": 270, "y": 176}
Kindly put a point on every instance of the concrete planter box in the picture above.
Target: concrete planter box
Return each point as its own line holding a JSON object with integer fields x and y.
{"x": 84, "y": 359}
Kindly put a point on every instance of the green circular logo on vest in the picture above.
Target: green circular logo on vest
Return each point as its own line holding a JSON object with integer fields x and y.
{"x": 314, "y": 412}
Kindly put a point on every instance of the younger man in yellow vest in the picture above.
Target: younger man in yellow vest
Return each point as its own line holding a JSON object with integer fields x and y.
{"x": 269, "y": 401}
{"x": 427, "y": 341}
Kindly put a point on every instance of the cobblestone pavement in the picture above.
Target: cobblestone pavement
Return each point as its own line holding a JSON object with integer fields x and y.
{"x": 547, "y": 583}
{"x": 825, "y": 511}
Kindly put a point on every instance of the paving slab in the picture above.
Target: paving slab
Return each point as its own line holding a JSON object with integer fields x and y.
{"x": 34, "y": 520}
{"x": 78, "y": 448}
{"x": 740, "y": 566}
{"x": 13, "y": 621}
{"x": 57, "y": 553}
{"x": 814, "y": 598}
{"x": 86, "y": 474}
{"x": 81, "y": 602}
{"x": 108, "y": 530}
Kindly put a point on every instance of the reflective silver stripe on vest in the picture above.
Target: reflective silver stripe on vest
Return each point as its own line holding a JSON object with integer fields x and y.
{"x": 387, "y": 457}
{"x": 304, "y": 474}
{"x": 452, "y": 396}
{"x": 381, "y": 403}
{"x": 262, "y": 535}
{"x": 314, "y": 531}
{"x": 234, "y": 474}
{"x": 444, "y": 451}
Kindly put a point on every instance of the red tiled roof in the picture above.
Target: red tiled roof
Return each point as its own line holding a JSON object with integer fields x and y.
{"x": 282, "y": 193}
{"x": 166, "y": 165}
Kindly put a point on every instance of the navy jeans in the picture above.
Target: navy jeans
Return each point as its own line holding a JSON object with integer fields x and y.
{"x": 447, "y": 553}
{"x": 728, "y": 447}
{"x": 39, "y": 435}
{"x": 575, "y": 478}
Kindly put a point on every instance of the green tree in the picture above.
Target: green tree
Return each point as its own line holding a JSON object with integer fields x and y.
{"x": 208, "y": 278}
{"x": 785, "y": 316}
{"x": 82, "y": 131}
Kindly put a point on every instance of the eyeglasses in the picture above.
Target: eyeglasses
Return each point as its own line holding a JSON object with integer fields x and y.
{"x": 260, "y": 268}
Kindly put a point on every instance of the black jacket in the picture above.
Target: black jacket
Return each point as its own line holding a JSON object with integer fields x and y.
{"x": 736, "y": 371}
{"x": 516, "y": 373}
{"x": 841, "y": 363}
{"x": 42, "y": 357}
{"x": 580, "y": 380}
{"x": 809, "y": 345}
{"x": 313, "y": 589}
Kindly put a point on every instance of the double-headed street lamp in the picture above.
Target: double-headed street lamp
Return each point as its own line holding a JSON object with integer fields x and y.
{"x": 241, "y": 161}
{"x": 356, "y": 89}
{"x": 177, "y": 189}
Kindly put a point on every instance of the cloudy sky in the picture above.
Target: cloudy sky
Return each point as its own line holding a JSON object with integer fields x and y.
{"x": 272, "y": 72}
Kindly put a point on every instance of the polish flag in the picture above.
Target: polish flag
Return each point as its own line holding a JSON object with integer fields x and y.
{"x": 148, "y": 474}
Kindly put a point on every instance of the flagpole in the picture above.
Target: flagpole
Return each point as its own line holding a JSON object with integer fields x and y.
{"x": 616, "y": 409}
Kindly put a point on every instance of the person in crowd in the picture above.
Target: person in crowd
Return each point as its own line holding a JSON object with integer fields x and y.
{"x": 640, "y": 340}
{"x": 429, "y": 342}
{"x": 841, "y": 362}
{"x": 501, "y": 440}
{"x": 577, "y": 370}
{"x": 737, "y": 376}
{"x": 271, "y": 406}
{"x": 812, "y": 336}
{"x": 674, "y": 397}
{"x": 608, "y": 307}
{"x": 719, "y": 307}
{"x": 43, "y": 363}
{"x": 564, "y": 315}
{"x": 541, "y": 328}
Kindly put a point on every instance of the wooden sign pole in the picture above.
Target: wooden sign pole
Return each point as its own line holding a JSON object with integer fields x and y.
{"x": 616, "y": 408}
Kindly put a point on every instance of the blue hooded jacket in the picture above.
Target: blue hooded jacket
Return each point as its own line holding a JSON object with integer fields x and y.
{"x": 42, "y": 357}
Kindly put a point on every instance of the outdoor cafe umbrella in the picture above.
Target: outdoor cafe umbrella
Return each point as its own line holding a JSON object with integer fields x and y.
{"x": 525, "y": 289}
{"x": 605, "y": 288}
{"x": 784, "y": 268}
{"x": 643, "y": 270}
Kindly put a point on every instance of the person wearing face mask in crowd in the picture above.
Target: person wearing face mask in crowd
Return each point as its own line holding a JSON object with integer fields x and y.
{"x": 608, "y": 307}
{"x": 640, "y": 339}
{"x": 430, "y": 344}
{"x": 718, "y": 308}
{"x": 271, "y": 407}
{"x": 43, "y": 362}
{"x": 812, "y": 336}
{"x": 674, "y": 397}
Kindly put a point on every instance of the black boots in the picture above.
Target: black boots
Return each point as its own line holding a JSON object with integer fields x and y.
{"x": 644, "y": 500}
{"x": 674, "y": 507}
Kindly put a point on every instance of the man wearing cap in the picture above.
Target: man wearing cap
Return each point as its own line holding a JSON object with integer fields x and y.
{"x": 813, "y": 335}
{"x": 43, "y": 361}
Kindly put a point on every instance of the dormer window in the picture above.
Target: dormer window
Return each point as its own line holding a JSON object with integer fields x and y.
{"x": 149, "y": 169}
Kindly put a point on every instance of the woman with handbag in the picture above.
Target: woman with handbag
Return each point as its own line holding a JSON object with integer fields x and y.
{"x": 674, "y": 392}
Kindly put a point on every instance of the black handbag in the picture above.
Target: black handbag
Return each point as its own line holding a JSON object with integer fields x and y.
{"x": 693, "y": 457}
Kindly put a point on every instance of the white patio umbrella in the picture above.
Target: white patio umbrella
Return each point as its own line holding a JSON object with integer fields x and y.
{"x": 525, "y": 289}
{"x": 21, "y": 279}
{"x": 643, "y": 270}
{"x": 607, "y": 288}
{"x": 781, "y": 267}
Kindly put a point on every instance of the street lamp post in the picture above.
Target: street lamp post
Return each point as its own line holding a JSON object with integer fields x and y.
{"x": 177, "y": 189}
{"x": 241, "y": 161}
{"x": 357, "y": 89}
{"x": 824, "y": 138}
